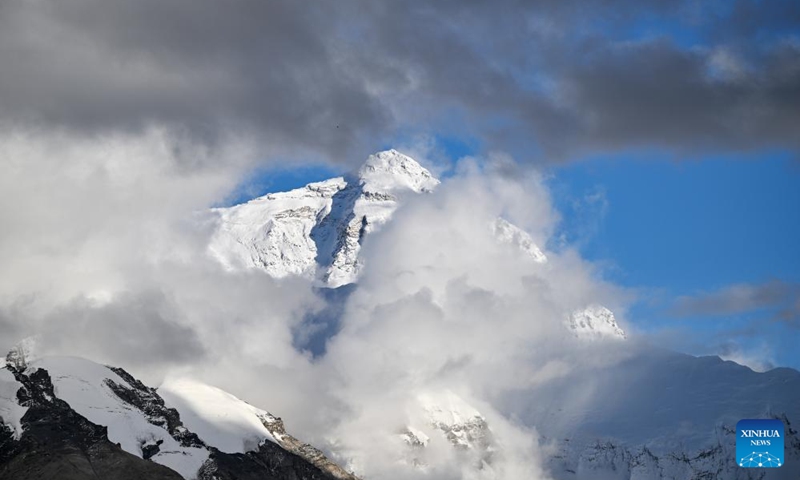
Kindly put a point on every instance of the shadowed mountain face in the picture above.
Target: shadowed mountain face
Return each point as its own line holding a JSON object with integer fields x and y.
{"x": 69, "y": 418}
{"x": 658, "y": 415}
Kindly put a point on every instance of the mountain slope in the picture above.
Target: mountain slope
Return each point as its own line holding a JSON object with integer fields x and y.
{"x": 57, "y": 443}
{"x": 73, "y": 418}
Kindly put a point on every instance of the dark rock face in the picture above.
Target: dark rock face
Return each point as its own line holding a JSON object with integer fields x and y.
{"x": 270, "y": 462}
{"x": 152, "y": 405}
{"x": 59, "y": 444}
{"x": 308, "y": 452}
{"x": 102, "y": 461}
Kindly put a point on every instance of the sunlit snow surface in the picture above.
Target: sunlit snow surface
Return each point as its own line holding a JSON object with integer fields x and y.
{"x": 316, "y": 231}
{"x": 217, "y": 417}
{"x": 10, "y": 411}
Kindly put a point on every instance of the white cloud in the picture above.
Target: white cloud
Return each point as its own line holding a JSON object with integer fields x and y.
{"x": 104, "y": 257}
{"x": 443, "y": 305}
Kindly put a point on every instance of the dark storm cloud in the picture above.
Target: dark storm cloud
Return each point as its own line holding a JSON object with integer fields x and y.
{"x": 736, "y": 299}
{"x": 558, "y": 78}
{"x": 204, "y": 66}
{"x": 656, "y": 94}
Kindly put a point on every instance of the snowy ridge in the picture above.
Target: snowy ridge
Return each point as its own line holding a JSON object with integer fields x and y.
{"x": 273, "y": 232}
{"x": 84, "y": 385}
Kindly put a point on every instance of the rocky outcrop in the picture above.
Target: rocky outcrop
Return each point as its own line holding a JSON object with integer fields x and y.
{"x": 308, "y": 452}
{"x": 146, "y": 400}
{"x": 57, "y": 443}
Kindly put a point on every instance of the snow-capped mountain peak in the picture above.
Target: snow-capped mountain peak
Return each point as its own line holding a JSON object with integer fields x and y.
{"x": 316, "y": 231}
{"x": 390, "y": 170}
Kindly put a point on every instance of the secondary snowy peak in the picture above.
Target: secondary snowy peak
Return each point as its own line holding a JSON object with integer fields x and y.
{"x": 593, "y": 322}
{"x": 462, "y": 425}
{"x": 443, "y": 418}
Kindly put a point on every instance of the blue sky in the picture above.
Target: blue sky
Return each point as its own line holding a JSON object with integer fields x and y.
{"x": 709, "y": 230}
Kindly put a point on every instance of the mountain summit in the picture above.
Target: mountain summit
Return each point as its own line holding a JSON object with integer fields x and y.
{"x": 316, "y": 231}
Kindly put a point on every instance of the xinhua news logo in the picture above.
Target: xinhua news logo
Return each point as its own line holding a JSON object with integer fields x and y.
{"x": 759, "y": 443}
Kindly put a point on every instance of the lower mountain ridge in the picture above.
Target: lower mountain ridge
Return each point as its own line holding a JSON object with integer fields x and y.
{"x": 659, "y": 415}
{"x": 67, "y": 418}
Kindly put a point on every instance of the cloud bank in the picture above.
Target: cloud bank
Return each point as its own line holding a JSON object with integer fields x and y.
{"x": 743, "y": 298}
{"x": 545, "y": 80}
